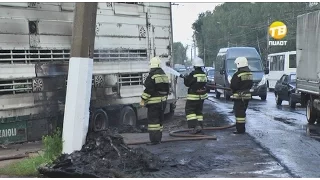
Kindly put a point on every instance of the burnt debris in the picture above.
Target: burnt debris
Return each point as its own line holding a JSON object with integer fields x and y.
{"x": 104, "y": 155}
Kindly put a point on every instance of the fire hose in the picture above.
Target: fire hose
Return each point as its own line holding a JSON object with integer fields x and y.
{"x": 189, "y": 137}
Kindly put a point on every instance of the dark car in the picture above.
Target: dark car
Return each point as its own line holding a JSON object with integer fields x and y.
{"x": 285, "y": 90}
{"x": 210, "y": 77}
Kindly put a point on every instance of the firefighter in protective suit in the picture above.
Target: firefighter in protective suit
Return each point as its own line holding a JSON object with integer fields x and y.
{"x": 197, "y": 93}
{"x": 241, "y": 83}
{"x": 154, "y": 98}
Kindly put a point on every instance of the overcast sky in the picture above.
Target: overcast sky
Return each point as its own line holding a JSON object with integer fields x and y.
{"x": 184, "y": 15}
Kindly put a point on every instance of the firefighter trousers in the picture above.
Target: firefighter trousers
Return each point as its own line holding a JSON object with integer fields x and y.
{"x": 239, "y": 107}
{"x": 194, "y": 114}
{"x": 155, "y": 120}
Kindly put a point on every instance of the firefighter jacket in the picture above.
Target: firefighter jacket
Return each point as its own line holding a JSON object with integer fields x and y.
{"x": 241, "y": 83}
{"x": 196, "y": 82}
{"x": 156, "y": 87}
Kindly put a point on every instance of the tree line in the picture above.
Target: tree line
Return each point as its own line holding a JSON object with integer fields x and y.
{"x": 246, "y": 24}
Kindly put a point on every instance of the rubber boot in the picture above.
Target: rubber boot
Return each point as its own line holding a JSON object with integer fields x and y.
{"x": 193, "y": 131}
{"x": 154, "y": 137}
{"x": 153, "y": 143}
{"x": 196, "y": 130}
{"x": 241, "y": 128}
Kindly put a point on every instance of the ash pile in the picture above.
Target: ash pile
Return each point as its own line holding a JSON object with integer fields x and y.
{"x": 104, "y": 155}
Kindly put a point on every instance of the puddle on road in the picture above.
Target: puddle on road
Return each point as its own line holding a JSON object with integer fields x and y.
{"x": 255, "y": 109}
{"x": 270, "y": 168}
{"x": 284, "y": 120}
{"x": 215, "y": 119}
{"x": 313, "y": 131}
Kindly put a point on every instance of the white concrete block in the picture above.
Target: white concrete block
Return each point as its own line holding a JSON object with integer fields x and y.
{"x": 76, "y": 114}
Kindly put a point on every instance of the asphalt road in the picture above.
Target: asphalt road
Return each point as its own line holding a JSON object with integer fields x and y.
{"x": 230, "y": 156}
{"x": 282, "y": 131}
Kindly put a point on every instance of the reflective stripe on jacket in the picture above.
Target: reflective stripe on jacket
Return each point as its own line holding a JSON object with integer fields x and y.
{"x": 196, "y": 82}
{"x": 241, "y": 83}
{"x": 156, "y": 87}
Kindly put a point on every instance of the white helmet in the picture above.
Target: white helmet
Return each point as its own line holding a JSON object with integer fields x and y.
{"x": 155, "y": 62}
{"x": 198, "y": 62}
{"x": 241, "y": 62}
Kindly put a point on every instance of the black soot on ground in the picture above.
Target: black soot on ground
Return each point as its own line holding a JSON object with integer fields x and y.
{"x": 104, "y": 155}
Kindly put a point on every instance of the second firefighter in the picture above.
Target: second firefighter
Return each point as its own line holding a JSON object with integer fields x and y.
{"x": 155, "y": 98}
{"x": 197, "y": 93}
{"x": 241, "y": 83}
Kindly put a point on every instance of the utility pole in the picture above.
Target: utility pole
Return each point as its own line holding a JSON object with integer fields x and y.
{"x": 191, "y": 53}
{"x": 258, "y": 45}
{"x": 204, "y": 55}
{"x": 76, "y": 114}
{"x": 268, "y": 37}
{"x": 195, "y": 47}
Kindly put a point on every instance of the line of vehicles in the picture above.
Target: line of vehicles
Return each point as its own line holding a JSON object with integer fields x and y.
{"x": 279, "y": 76}
{"x": 293, "y": 76}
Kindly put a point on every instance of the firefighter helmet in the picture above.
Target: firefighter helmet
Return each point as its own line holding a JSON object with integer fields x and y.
{"x": 155, "y": 62}
{"x": 197, "y": 62}
{"x": 241, "y": 62}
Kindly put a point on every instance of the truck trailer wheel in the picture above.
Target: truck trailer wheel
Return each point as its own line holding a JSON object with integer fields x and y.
{"x": 217, "y": 94}
{"x": 278, "y": 100}
{"x": 100, "y": 120}
{"x": 226, "y": 96}
{"x": 264, "y": 97}
{"x": 128, "y": 116}
{"x": 169, "y": 115}
{"x": 311, "y": 112}
{"x": 291, "y": 103}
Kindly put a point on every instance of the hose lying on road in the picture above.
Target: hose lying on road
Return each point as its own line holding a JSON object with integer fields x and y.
{"x": 187, "y": 137}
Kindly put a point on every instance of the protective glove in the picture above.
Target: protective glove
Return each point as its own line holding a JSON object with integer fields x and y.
{"x": 142, "y": 103}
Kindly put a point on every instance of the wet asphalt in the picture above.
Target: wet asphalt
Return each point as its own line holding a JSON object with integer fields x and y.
{"x": 230, "y": 156}
{"x": 282, "y": 131}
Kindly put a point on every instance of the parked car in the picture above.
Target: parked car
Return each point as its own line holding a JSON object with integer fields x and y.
{"x": 285, "y": 90}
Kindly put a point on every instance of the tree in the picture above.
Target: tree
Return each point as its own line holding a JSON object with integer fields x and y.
{"x": 246, "y": 24}
{"x": 179, "y": 53}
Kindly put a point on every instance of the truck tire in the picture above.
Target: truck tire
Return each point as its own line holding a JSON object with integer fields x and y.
{"x": 128, "y": 116}
{"x": 99, "y": 121}
{"x": 217, "y": 94}
{"x": 291, "y": 103}
{"x": 263, "y": 98}
{"x": 226, "y": 96}
{"x": 278, "y": 100}
{"x": 311, "y": 112}
{"x": 169, "y": 116}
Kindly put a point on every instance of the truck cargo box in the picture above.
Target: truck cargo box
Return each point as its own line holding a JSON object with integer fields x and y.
{"x": 308, "y": 52}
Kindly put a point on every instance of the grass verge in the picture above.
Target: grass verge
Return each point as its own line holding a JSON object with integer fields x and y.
{"x": 24, "y": 168}
{"x": 28, "y": 167}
